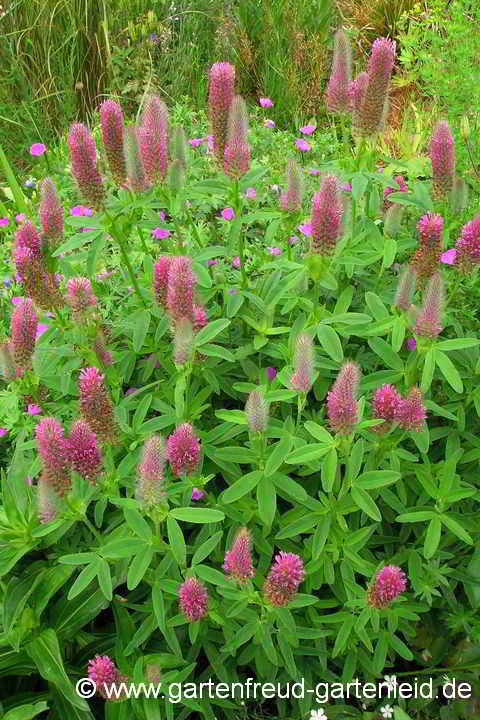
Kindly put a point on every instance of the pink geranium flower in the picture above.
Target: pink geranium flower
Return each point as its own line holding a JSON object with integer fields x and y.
{"x": 449, "y": 257}
{"x": 160, "y": 233}
{"x": 228, "y": 213}
{"x": 302, "y": 144}
{"x": 305, "y": 228}
{"x": 308, "y": 129}
{"x": 3, "y": 221}
{"x": 37, "y": 149}
{"x": 266, "y": 102}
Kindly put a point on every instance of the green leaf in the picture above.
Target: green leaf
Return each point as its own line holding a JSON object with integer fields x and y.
{"x": 206, "y": 548}
{"x": 343, "y": 636}
{"x": 78, "y": 558}
{"x": 243, "y": 486}
{"x": 202, "y": 275}
{"x": 449, "y": 371}
{"x": 95, "y": 249}
{"x": 26, "y": 712}
{"x": 142, "y": 323}
{"x": 329, "y": 470}
{"x": 376, "y": 306}
{"x": 139, "y": 567}
{"x": 303, "y": 525}
{"x": 307, "y": 454}
{"x": 215, "y": 577}
{"x": 416, "y": 516}
{"x": 122, "y": 548}
{"x": 456, "y": 344}
{"x": 389, "y": 251}
{"x": 197, "y": 515}
{"x": 321, "y": 535}
{"x": 45, "y": 653}
{"x": 330, "y": 342}
{"x": 141, "y": 411}
{"x": 318, "y": 432}
{"x": 20, "y": 202}
{"x": 177, "y": 542}
{"x": 366, "y": 503}
{"x": 277, "y": 456}
{"x": 218, "y": 351}
{"x": 374, "y": 479}
{"x": 15, "y": 597}
{"x": 456, "y": 529}
{"x": 138, "y": 524}
{"x": 428, "y": 370}
{"x": 267, "y": 501}
{"x": 290, "y": 487}
{"x": 241, "y": 637}
{"x": 432, "y": 538}
{"x": 158, "y": 605}
{"x": 238, "y": 417}
{"x": 84, "y": 579}
{"x": 385, "y": 352}
{"x": 210, "y": 331}
{"x": 398, "y": 334}
{"x": 104, "y": 578}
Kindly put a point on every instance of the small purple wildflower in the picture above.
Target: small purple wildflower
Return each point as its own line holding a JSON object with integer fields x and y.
{"x": 308, "y": 129}
{"x": 228, "y": 213}
{"x": 269, "y": 124}
{"x": 449, "y": 256}
{"x": 212, "y": 262}
{"x": 236, "y": 261}
{"x": 250, "y": 192}
{"x": 266, "y": 102}
{"x": 275, "y": 250}
{"x": 160, "y": 233}
{"x": 302, "y": 144}
{"x": 271, "y": 373}
{"x": 314, "y": 171}
{"x": 3, "y": 431}
{"x": 305, "y": 228}
{"x": 197, "y": 494}
{"x": 37, "y": 149}
{"x": 34, "y": 409}
{"x": 3, "y": 221}
{"x": 411, "y": 343}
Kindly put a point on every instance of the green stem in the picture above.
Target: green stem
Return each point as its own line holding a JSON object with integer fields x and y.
{"x": 354, "y": 216}
{"x": 194, "y": 227}
{"x": 142, "y": 240}
{"x": 241, "y": 239}
{"x": 300, "y": 404}
{"x": 59, "y": 317}
{"x": 113, "y": 231}
{"x": 92, "y": 529}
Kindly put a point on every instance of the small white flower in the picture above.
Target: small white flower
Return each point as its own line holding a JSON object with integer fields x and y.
{"x": 387, "y": 711}
{"x": 390, "y": 681}
{"x": 318, "y": 714}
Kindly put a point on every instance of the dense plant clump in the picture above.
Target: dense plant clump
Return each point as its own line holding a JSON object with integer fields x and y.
{"x": 240, "y": 416}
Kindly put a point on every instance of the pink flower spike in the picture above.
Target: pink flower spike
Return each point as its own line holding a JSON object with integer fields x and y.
{"x": 160, "y": 233}
{"x": 102, "y": 670}
{"x": 302, "y": 144}
{"x": 389, "y": 583}
{"x": 342, "y": 401}
{"x": 180, "y": 289}
{"x": 193, "y": 598}
{"x": 308, "y": 129}
{"x": 17, "y": 300}
{"x": 238, "y": 560}
{"x": 37, "y": 149}
{"x": 197, "y": 494}
{"x": 220, "y": 96}
{"x": 449, "y": 257}
{"x": 183, "y": 449}
{"x": 265, "y": 102}
{"x": 228, "y": 213}
{"x": 284, "y": 578}
{"x": 411, "y": 412}
{"x": 270, "y": 124}
{"x": 34, "y": 409}
{"x": 302, "y": 378}
{"x": 151, "y": 486}
{"x": 82, "y": 451}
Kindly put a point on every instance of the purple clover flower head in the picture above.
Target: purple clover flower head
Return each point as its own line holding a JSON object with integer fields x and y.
{"x": 83, "y": 156}
{"x": 384, "y": 407}
{"x": 292, "y": 199}
{"x": 198, "y": 494}
{"x": 160, "y": 279}
{"x": 195, "y": 142}
{"x": 266, "y": 102}
{"x": 406, "y": 288}
{"x": 411, "y": 343}
{"x": 411, "y": 412}
{"x": 80, "y": 294}
{"x": 389, "y": 583}
{"x": 337, "y": 93}
{"x": 302, "y": 378}
{"x": 327, "y": 217}
{"x": 96, "y": 405}
{"x": 237, "y": 150}
{"x": 212, "y": 262}
{"x": 183, "y": 449}
{"x": 284, "y": 578}
{"x": 24, "y": 330}
{"x": 51, "y": 446}
{"x": 154, "y": 140}
{"x": 21, "y": 218}
{"x": 238, "y": 560}
{"x": 150, "y": 488}
{"x": 305, "y": 229}
{"x": 221, "y": 92}
{"x": 341, "y": 400}
{"x": 137, "y": 141}
{"x": 180, "y": 289}
{"x": 371, "y": 102}
{"x": 113, "y": 133}
{"x": 102, "y": 670}
{"x": 193, "y": 598}
{"x": 308, "y": 129}
{"x": 82, "y": 451}
{"x": 4, "y": 221}
{"x": 468, "y": 246}
{"x": 256, "y": 409}
{"x": 51, "y": 212}
{"x": 293, "y": 240}
{"x": 429, "y": 320}
{"x": 442, "y": 154}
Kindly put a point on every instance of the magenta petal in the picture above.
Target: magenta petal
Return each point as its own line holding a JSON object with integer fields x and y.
{"x": 449, "y": 257}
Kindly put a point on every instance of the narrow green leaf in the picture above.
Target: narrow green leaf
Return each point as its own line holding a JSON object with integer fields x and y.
{"x": 243, "y": 486}
{"x": 210, "y": 331}
{"x": 197, "y": 515}
{"x": 449, "y": 371}
{"x": 277, "y": 456}
{"x": 206, "y": 548}
{"x": 330, "y": 342}
{"x": 267, "y": 501}
{"x": 432, "y": 538}
{"x": 142, "y": 323}
{"x": 366, "y": 503}
{"x": 177, "y": 542}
